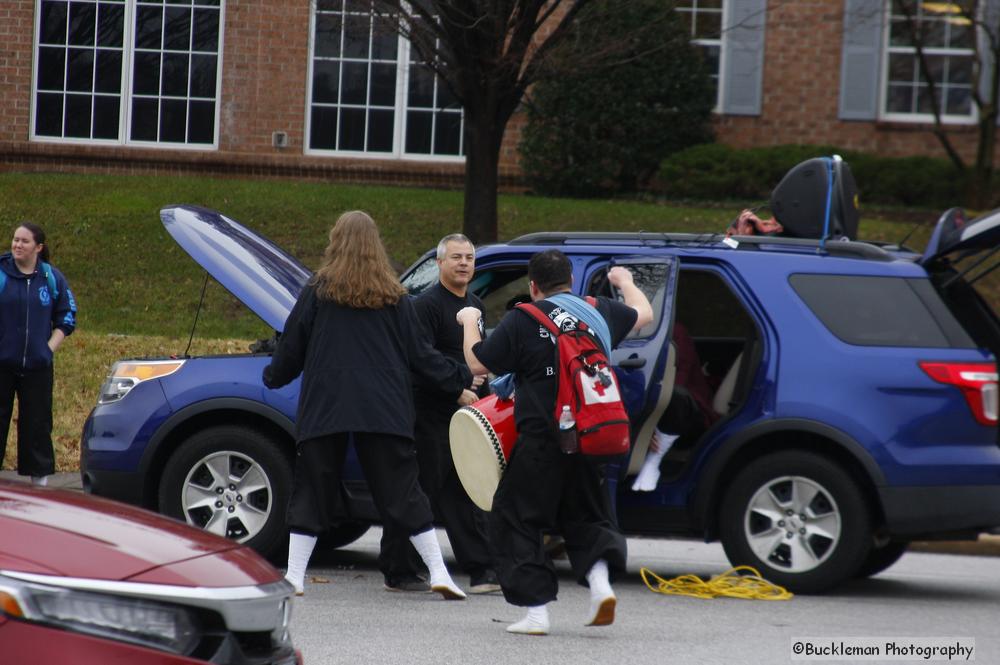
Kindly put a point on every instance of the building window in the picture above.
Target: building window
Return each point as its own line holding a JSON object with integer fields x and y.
{"x": 948, "y": 42}
{"x": 128, "y": 71}
{"x": 704, "y": 19}
{"x": 370, "y": 94}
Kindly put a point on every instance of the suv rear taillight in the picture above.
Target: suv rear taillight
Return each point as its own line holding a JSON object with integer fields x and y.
{"x": 977, "y": 381}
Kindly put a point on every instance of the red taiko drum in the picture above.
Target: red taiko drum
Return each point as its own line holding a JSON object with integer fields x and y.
{"x": 482, "y": 436}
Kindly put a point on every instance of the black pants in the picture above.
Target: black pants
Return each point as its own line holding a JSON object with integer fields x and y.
{"x": 546, "y": 491}
{"x": 464, "y": 522}
{"x": 390, "y": 467}
{"x": 33, "y": 389}
{"x": 682, "y": 416}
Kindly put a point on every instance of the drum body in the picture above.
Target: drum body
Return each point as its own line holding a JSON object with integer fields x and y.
{"x": 482, "y": 436}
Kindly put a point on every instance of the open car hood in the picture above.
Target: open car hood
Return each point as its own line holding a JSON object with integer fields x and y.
{"x": 955, "y": 235}
{"x": 262, "y": 276}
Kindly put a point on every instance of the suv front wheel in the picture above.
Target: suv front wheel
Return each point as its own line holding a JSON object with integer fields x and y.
{"x": 799, "y": 519}
{"x": 233, "y": 481}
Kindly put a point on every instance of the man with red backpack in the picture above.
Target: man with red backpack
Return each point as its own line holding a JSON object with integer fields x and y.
{"x": 543, "y": 489}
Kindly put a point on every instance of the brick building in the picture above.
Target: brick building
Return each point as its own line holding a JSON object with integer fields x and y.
{"x": 314, "y": 89}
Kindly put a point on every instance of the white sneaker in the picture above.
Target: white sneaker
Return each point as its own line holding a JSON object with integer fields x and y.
{"x": 298, "y": 586}
{"x": 535, "y": 622}
{"x": 602, "y": 610}
{"x": 649, "y": 474}
{"x": 647, "y": 479}
{"x": 448, "y": 589}
{"x": 602, "y": 598}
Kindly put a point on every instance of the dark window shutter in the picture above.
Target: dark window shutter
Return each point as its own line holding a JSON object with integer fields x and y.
{"x": 861, "y": 55}
{"x": 743, "y": 57}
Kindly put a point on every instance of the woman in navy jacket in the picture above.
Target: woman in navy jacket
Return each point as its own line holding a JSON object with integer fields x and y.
{"x": 37, "y": 311}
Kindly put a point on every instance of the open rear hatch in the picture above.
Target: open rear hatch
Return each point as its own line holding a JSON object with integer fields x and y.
{"x": 962, "y": 258}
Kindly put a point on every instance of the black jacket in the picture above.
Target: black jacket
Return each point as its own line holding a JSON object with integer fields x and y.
{"x": 355, "y": 365}
{"x": 436, "y": 309}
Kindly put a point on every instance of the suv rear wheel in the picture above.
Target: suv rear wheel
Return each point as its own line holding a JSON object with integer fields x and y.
{"x": 799, "y": 519}
{"x": 233, "y": 481}
{"x": 881, "y": 558}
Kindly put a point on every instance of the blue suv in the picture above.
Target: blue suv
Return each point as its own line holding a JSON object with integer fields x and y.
{"x": 855, "y": 389}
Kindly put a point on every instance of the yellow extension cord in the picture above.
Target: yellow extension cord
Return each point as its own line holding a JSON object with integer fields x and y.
{"x": 730, "y": 584}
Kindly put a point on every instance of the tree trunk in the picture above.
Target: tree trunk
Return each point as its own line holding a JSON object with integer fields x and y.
{"x": 980, "y": 195}
{"x": 482, "y": 152}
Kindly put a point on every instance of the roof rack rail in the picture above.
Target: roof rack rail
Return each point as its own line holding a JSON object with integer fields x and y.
{"x": 854, "y": 248}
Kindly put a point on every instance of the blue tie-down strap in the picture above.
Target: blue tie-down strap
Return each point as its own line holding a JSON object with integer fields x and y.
{"x": 503, "y": 386}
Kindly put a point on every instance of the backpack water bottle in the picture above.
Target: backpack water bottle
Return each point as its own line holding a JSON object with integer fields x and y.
{"x": 567, "y": 432}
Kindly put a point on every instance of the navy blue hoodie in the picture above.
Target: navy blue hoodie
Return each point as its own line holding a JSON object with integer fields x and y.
{"x": 29, "y": 311}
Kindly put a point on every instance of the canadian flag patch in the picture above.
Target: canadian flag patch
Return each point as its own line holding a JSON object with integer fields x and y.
{"x": 599, "y": 388}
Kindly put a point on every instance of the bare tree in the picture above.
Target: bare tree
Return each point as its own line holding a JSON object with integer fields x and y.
{"x": 984, "y": 18}
{"x": 488, "y": 52}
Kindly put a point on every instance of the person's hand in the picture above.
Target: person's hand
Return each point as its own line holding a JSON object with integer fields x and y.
{"x": 619, "y": 276}
{"x": 468, "y": 315}
{"x": 467, "y": 397}
{"x": 478, "y": 380}
{"x": 748, "y": 224}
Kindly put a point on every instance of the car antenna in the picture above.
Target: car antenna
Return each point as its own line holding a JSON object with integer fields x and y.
{"x": 201, "y": 301}
{"x": 908, "y": 234}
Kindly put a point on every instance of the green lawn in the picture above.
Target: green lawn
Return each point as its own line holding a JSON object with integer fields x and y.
{"x": 138, "y": 291}
{"x": 131, "y": 278}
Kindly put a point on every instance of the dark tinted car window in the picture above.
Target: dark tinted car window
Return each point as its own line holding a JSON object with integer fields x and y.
{"x": 651, "y": 278}
{"x": 880, "y": 311}
{"x": 707, "y": 306}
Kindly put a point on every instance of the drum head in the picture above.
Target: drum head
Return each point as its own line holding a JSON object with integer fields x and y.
{"x": 478, "y": 457}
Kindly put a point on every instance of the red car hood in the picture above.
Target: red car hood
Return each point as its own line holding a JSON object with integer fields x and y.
{"x": 57, "y": 532}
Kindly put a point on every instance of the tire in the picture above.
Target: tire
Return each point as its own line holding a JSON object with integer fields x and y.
{"x": 881, "y": 558}
{"x": 341, "y": 535}
{"x": 233, "y": 481}
{"x": 799, "y": 519}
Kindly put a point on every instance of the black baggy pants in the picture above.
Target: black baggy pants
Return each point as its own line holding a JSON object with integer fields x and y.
{"x": 547, "y": 491}
{"x": 33, "y": 389}
{"x": 464, "y": 522}
{"x": 390, "y": 467}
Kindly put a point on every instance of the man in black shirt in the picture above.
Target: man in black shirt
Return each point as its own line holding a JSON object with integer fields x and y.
{"x": 543, "y": 489}
{"x": 464, "y": 522}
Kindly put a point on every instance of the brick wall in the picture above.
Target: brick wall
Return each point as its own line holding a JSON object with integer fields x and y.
{"x": 802, "y": 86}
{"x": 16, "y": 33}
{"x": 265, "y": 54}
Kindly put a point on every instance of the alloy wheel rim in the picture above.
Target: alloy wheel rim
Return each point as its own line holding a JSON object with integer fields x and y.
{"x": 792, "y": 524}
{"x": 227, "y": 493}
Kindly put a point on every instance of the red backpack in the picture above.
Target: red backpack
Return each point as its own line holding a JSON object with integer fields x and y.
{"x": 588, "y": 385}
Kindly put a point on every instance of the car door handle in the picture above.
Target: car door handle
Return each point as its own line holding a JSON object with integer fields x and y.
{"x": 632, "y": 363}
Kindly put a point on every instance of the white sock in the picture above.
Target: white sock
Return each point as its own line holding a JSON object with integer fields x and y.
{"x": 300, "y": 548}
{"x": 602, "y": 597}
{"x": 597, "y": 578}
{"x": 40, "y": 481}
{"x": 427, "y": 546}
{"x": 535, "y": 622}
{"x": 649, "y": 474}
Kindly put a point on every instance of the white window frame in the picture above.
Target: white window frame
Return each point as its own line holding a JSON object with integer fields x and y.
{"x": 918, "y": 118}
{"x": 690, "y": 14}
{"x": 125, "y": 109}
{"x": 400, "y": 109}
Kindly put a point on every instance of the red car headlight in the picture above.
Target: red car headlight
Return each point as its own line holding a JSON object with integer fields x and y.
{"x": 138, "y": 621}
